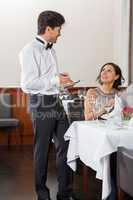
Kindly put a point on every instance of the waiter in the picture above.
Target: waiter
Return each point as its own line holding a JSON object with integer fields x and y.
{"x": 41, "y": 80}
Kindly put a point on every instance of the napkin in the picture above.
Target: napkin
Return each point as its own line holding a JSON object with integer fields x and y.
{"x": 130, "y": 124}
{"x": 115, "y": 117}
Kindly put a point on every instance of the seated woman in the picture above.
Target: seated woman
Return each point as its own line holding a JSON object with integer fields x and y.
{"x": 100, "y": 100}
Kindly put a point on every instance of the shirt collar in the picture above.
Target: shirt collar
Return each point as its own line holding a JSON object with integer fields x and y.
{"x": 43, "y": 40}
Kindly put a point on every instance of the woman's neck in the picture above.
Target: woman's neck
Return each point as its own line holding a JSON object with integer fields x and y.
{"x": 107, "y": 88}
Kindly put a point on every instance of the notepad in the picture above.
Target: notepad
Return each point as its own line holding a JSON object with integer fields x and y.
{"x": 70, "y": 84}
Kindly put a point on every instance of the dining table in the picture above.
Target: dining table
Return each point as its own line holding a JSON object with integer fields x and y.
{"x": 93, "y": 142}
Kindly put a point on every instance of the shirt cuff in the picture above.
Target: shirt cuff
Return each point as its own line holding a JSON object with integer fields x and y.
{"x": 55, "y": 81}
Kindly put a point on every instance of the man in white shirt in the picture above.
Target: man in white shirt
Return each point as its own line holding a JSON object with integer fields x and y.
{"x": 40, "y": 79}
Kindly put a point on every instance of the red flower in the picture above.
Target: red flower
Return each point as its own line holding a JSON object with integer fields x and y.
{"x": 127, "y": 109}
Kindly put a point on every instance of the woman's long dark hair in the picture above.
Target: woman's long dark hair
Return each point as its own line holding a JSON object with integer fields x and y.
{"x": 118, "y": 71}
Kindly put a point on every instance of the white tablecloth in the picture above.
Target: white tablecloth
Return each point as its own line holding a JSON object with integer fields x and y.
{"x": 93, "y": 142}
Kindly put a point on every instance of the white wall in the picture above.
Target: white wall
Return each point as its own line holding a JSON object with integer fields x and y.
{"x": 88, "y": 38}
{"x": 121, "y": 36}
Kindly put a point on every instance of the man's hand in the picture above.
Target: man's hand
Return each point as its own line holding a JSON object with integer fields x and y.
{"x": 65, "y": 79}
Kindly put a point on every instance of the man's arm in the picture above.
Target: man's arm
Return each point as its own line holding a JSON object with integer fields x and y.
{"x": 30, "y": 77}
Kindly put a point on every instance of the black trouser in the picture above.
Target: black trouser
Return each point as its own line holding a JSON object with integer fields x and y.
{"x": 113, "y": 174}
{"x": 50, "y": 121}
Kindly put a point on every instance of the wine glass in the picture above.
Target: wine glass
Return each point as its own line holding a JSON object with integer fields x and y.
{"x": 81, "y": 94}
{"x": 65, "y": 94}
{"x": 96, "y": 108}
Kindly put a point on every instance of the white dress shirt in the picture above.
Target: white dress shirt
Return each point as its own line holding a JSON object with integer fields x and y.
{"x": 39, "y": 70}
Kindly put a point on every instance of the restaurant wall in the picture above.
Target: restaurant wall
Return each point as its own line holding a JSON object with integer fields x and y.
{"x": 91, "y": 36}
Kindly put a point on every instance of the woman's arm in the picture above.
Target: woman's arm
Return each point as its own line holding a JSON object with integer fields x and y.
{"x": 89, "y": 112}
{"x": 88, "y": 104}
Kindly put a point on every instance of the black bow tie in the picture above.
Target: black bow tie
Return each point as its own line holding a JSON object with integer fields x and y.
{"x": 49, "y": 45}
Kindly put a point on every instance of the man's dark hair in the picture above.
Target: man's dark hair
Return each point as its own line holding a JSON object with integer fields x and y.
{"x": 49, "y": 18}
{"x": 118, "y": 71}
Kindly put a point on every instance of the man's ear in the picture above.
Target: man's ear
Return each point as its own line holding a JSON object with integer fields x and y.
{"x": 48, "y": 28}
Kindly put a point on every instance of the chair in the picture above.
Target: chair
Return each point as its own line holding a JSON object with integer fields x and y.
{"x": 125, "y": 172}
{"x": 6, "y": 120}
{"x": 76, "y": 111}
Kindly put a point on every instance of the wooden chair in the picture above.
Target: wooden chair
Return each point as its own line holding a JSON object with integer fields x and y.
{"x": 7, "y": 122}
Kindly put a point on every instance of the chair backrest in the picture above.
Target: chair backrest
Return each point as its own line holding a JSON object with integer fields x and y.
{"x": 124, "y": 170}
{"x": 76, "y": 111}
{"x": 5, "y": 105}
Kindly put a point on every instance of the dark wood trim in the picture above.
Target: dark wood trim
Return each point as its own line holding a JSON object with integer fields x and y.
{"x": 121, "y": 194}
{"x": 23, "y": 135}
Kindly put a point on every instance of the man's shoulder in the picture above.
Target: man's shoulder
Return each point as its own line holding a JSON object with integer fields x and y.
{"x": 30, "y": 48}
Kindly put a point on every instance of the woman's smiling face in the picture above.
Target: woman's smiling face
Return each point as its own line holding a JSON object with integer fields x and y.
{"x": 108, "y": 74}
